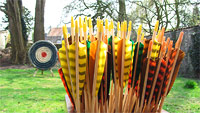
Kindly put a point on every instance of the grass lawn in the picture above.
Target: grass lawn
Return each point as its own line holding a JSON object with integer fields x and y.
{"x": 21, "y": 92}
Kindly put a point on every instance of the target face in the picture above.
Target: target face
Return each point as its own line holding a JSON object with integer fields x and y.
{"x": 43, "y": 54}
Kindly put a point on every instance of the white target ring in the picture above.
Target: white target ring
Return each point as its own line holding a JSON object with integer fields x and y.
{"x": 43, "y": 54}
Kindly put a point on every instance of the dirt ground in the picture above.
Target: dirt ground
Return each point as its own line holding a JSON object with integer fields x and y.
{"x": 5, "y": 62}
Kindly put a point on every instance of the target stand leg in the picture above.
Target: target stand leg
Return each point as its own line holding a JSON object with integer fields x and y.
{"x": 42, "y": 72}
{"x": 51, "y": 72}
{"x": 35, "y": 72}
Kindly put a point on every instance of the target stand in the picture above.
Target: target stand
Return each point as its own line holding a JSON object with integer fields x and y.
{"x": 43, "y": 56}
{"x": 42, "y": 72}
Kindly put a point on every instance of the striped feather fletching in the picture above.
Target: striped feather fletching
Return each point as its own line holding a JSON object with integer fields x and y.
{"x": 145, "y": 49}
{"x": 82, "y": 66}
{"x": 139, "y": 62}
{"x": 101, "y": 63}
{"x": 65, "y": 85}
{"x": 160, "y": 77}
{"x": 152, "y": 69}
{"x": 116, "y": 39}
{"x": 178, "y": 64}
{"x": 131, "y": 67}
{"x": 127, "y": 59}
{"x": 155, "y": 50}
{"x": 168, "y": 71}
{"x": 63, "y": 63}
{"x": 143, "y": 70}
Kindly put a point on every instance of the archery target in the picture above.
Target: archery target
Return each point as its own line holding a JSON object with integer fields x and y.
{"x": 43, "y": 54}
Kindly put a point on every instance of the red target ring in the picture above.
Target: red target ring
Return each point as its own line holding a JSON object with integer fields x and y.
{"x": 44, "y": 54}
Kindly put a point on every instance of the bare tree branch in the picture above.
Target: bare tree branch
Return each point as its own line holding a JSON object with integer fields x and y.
{"x": 2, "y": 8}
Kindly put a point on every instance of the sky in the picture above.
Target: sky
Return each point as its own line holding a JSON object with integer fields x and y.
{"x": 53, "y": 12}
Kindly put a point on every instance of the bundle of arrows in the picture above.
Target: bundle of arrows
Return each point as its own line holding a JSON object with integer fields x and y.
{"x": 104, "y": 72}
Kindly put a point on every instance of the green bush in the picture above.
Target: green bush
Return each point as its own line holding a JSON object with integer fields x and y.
{"x": 191, "y": 84}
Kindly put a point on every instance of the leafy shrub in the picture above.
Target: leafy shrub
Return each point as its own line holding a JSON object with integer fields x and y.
{"x": 191, "y": 84}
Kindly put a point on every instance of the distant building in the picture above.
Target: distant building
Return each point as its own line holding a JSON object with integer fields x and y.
{"x": 55, "y": 35}
{"x": 4, "y": 38}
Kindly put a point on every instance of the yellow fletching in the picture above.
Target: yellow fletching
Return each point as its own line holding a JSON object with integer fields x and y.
{"x": 76, "y": 26}
{"x": 155, "y": 50}
{"x": 86, "y": 20}
{"x": 63, "y": 44}
{"x": 63, "y": 62}
{"x": 142, "y": 37}
{"x": 127, "y": 60}
{"x": 122, "y": 26}
{"x": 106, "y": 24}
{"x": 125, "y": 26}
{"x": 129, "y": 25}
{"x": 80, "y": 23}
{"x": 156, "y": 26}
{"x": 65, "y": 31}
{"x": 68, "y": 35}
{"x": 90, "y": 23}
{"x": 158, "y": 34}
{"x": 109, "y": 27}
{"x": 101, "y": 64}
{"x": 72, "y": 22}
{"x": 112, "y": 25}
{"x": 84, "y": 27}
{"x": 97, "y": 23}
{"x": 101, "y": 26}
{"x": 82, "y": 68}
{"x": 139, "y": 29}
{"x": 118, "y": 26}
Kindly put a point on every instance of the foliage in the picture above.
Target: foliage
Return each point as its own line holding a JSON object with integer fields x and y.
{"x": 171, "y": 14}
{"x": 18, "y": 29}
{"x": 191, "y": 84}
{"x": 194, "y": 53}
{"x": 99, "y": 8}
{"x": 27, "y": 22}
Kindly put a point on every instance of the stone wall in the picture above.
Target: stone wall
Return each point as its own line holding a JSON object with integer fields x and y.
{"x": 186, "y": 68}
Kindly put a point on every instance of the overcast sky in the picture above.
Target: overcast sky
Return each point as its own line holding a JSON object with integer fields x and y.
{"x": 53, "y": 11}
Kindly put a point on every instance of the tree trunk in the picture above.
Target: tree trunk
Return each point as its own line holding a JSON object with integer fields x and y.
{"x": 122, "y": 11}
{"x": 177, "y": 14}
{"x": 39, "y": 20}
{"x": 18, "y": 42}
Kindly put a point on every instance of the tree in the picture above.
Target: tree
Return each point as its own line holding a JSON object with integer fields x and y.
{"x": 99, "y": 8}
{"x": 14, "y": 10}
{"x": 122, "y": 11}
{"x": 171, "y": 14}
{"x": 28, "y": 21}
{"x": 39, "y": 20}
